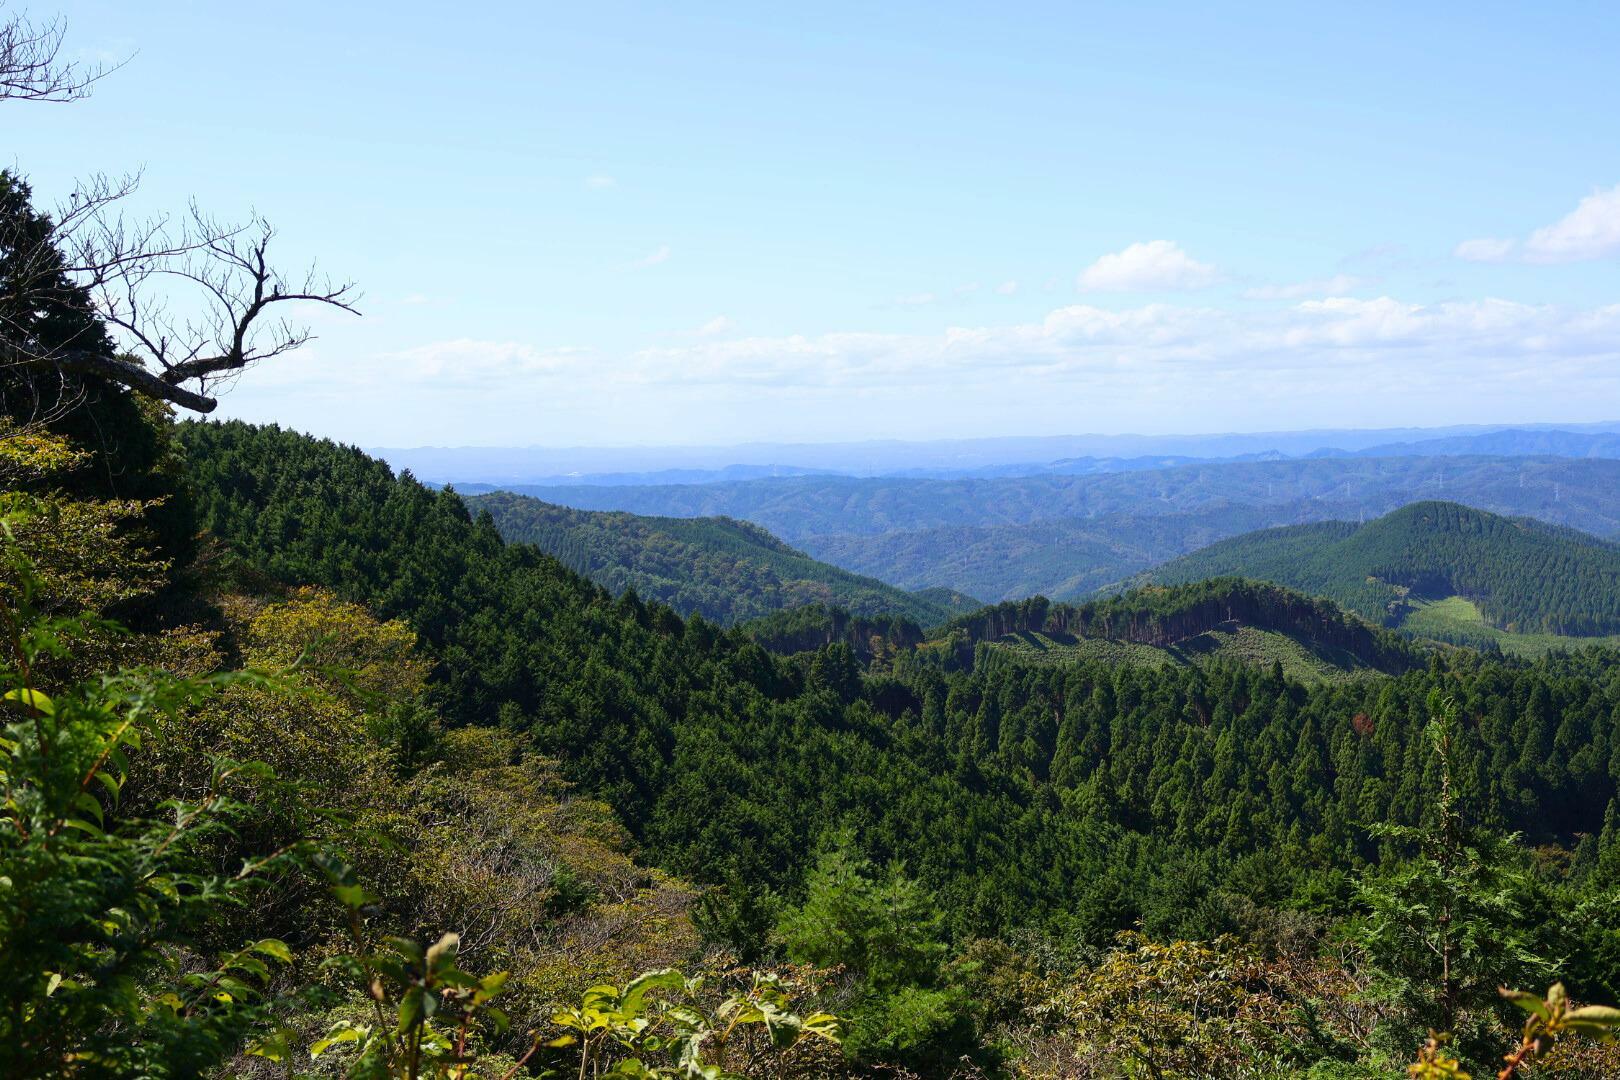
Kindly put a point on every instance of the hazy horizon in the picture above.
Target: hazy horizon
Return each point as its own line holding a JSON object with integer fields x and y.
{"x": 1525, "y": 425}
{"x": 876, "y": 457}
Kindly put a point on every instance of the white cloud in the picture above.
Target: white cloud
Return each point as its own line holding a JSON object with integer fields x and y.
{"x": 1007, "y": 288}
{"x": 1590, "y": 231}
{"x": 1338, "y": 283}
{"x": 920, "y": 299}
{"x": 966, "y": 290}
{"x": 600, "y": 182}
{"x": 1321, "y": 362}
{"x": 1375, "y": 342}
{"x": 1379, "y": 342}
{"x": 1488, "y": 249}
{"x": 658, "y": 255}
{"x": 1156, "y": 264}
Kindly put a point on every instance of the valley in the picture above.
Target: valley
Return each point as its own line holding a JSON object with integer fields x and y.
{"x": 865, "y": 542}
{"x": 1066, "y": 536}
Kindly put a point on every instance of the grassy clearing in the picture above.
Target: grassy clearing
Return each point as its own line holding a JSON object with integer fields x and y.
{"x": 1246, "y": 644}
{"x": 1456, "y": 620}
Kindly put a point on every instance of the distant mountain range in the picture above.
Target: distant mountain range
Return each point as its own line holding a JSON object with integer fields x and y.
{"x": 1064, "y": 536}
{"x": 491, "y": 467}
{"x": 1512, "y": 443}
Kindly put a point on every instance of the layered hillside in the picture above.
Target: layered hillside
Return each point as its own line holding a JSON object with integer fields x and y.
{"x": 1065, "y": 559}
{"x": 1069, "y": 800}
{"x": 1068, "y": 536}
{"x": 1522, "y": 575}
{"x": 723, "y": 569}
{"x": 1581, "y": 493}
{"x": 1223, "y": 618}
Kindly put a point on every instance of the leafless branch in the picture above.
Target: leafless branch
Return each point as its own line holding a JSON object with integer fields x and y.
{"x": 167, "y": 306}
{"x": 133, "y": 275}
{"x": 32, "y": 67}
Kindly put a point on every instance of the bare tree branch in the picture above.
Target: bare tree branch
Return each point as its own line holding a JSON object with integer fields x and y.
{"x": 133, "y": 276}
{"x": 170, "y": 307}
{"x": 32, "y": 67}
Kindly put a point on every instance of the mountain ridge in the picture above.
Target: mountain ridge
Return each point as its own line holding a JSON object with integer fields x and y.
{"x": 722, "y": 568}
{"x": 1522, "y": 574}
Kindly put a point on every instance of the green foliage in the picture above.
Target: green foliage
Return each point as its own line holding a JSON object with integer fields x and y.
{"x": 426, "y": 1012}
{"x": 1068, "y": 536}
{"x": 725, "y": 570}
{"x": 815, "y": 626}
{"x": 1086, "y": 797}
{"x": 1166, "y": 617}
{"x": 884, "y": 929}
{"x": 1185, "y": 1010}
{"x": 1523, "y": 575}
{"x": 883, "y": 926}
{"x": 1553, "y": 1018}
{"x": 658, "y": 1026}
{"x": 1079, "y": 799}
{"x": 82, "y": 553}
{"x": 100, "y": 909}
{"x": 1448, "y": 925}
{"x": 1457, "y": 621}
{"x": 738, "y": 916}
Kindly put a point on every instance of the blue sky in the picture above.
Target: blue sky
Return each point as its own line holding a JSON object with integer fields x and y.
{"x": 622, "y": 224}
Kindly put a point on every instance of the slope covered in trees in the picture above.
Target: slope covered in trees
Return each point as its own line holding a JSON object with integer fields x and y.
{"x": 323, "y": 805}
{"x": 1065, "y": 559}
{"x": 697, "y": 736}
{"x": 815, "y": 626}
{"x": 1067, "y": 536}
{"x": 1193, "y": 623}
{"x": 1068, "y": 802}
{"x": 1522, "y": 575}
{"x": 723, "y": 569}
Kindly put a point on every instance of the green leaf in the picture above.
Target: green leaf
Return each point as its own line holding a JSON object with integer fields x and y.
{"x": 341, "y": 1032}
{"x": 32, "y": 698}
{"x": 1594, "y": 1014}
{"x": 352, "y": 896}
{"x": 110, "y": 782}
{"x": 88, "y": 803}
{"x": 1530, "y": 1003}
{"x": 784, "y": 1030}
{"x": 274, "y": 948}
{"x": 636, "y": 990}
{"x": 406, "y": 947}
{"x": 410, "y": 1009}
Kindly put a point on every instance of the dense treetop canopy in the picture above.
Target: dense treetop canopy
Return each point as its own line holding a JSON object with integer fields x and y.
{"x": 1522, "y": 574}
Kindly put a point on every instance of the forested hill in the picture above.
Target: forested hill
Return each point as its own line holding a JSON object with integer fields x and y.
{"x": 1523, "y": 575}
{"x": 1170, "y": 616}
{"x": 1078, "y": 800}
{"x": 1068, "y": 536}
{"x": 723, "y": 569}
{"x": 816, "y": 626}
